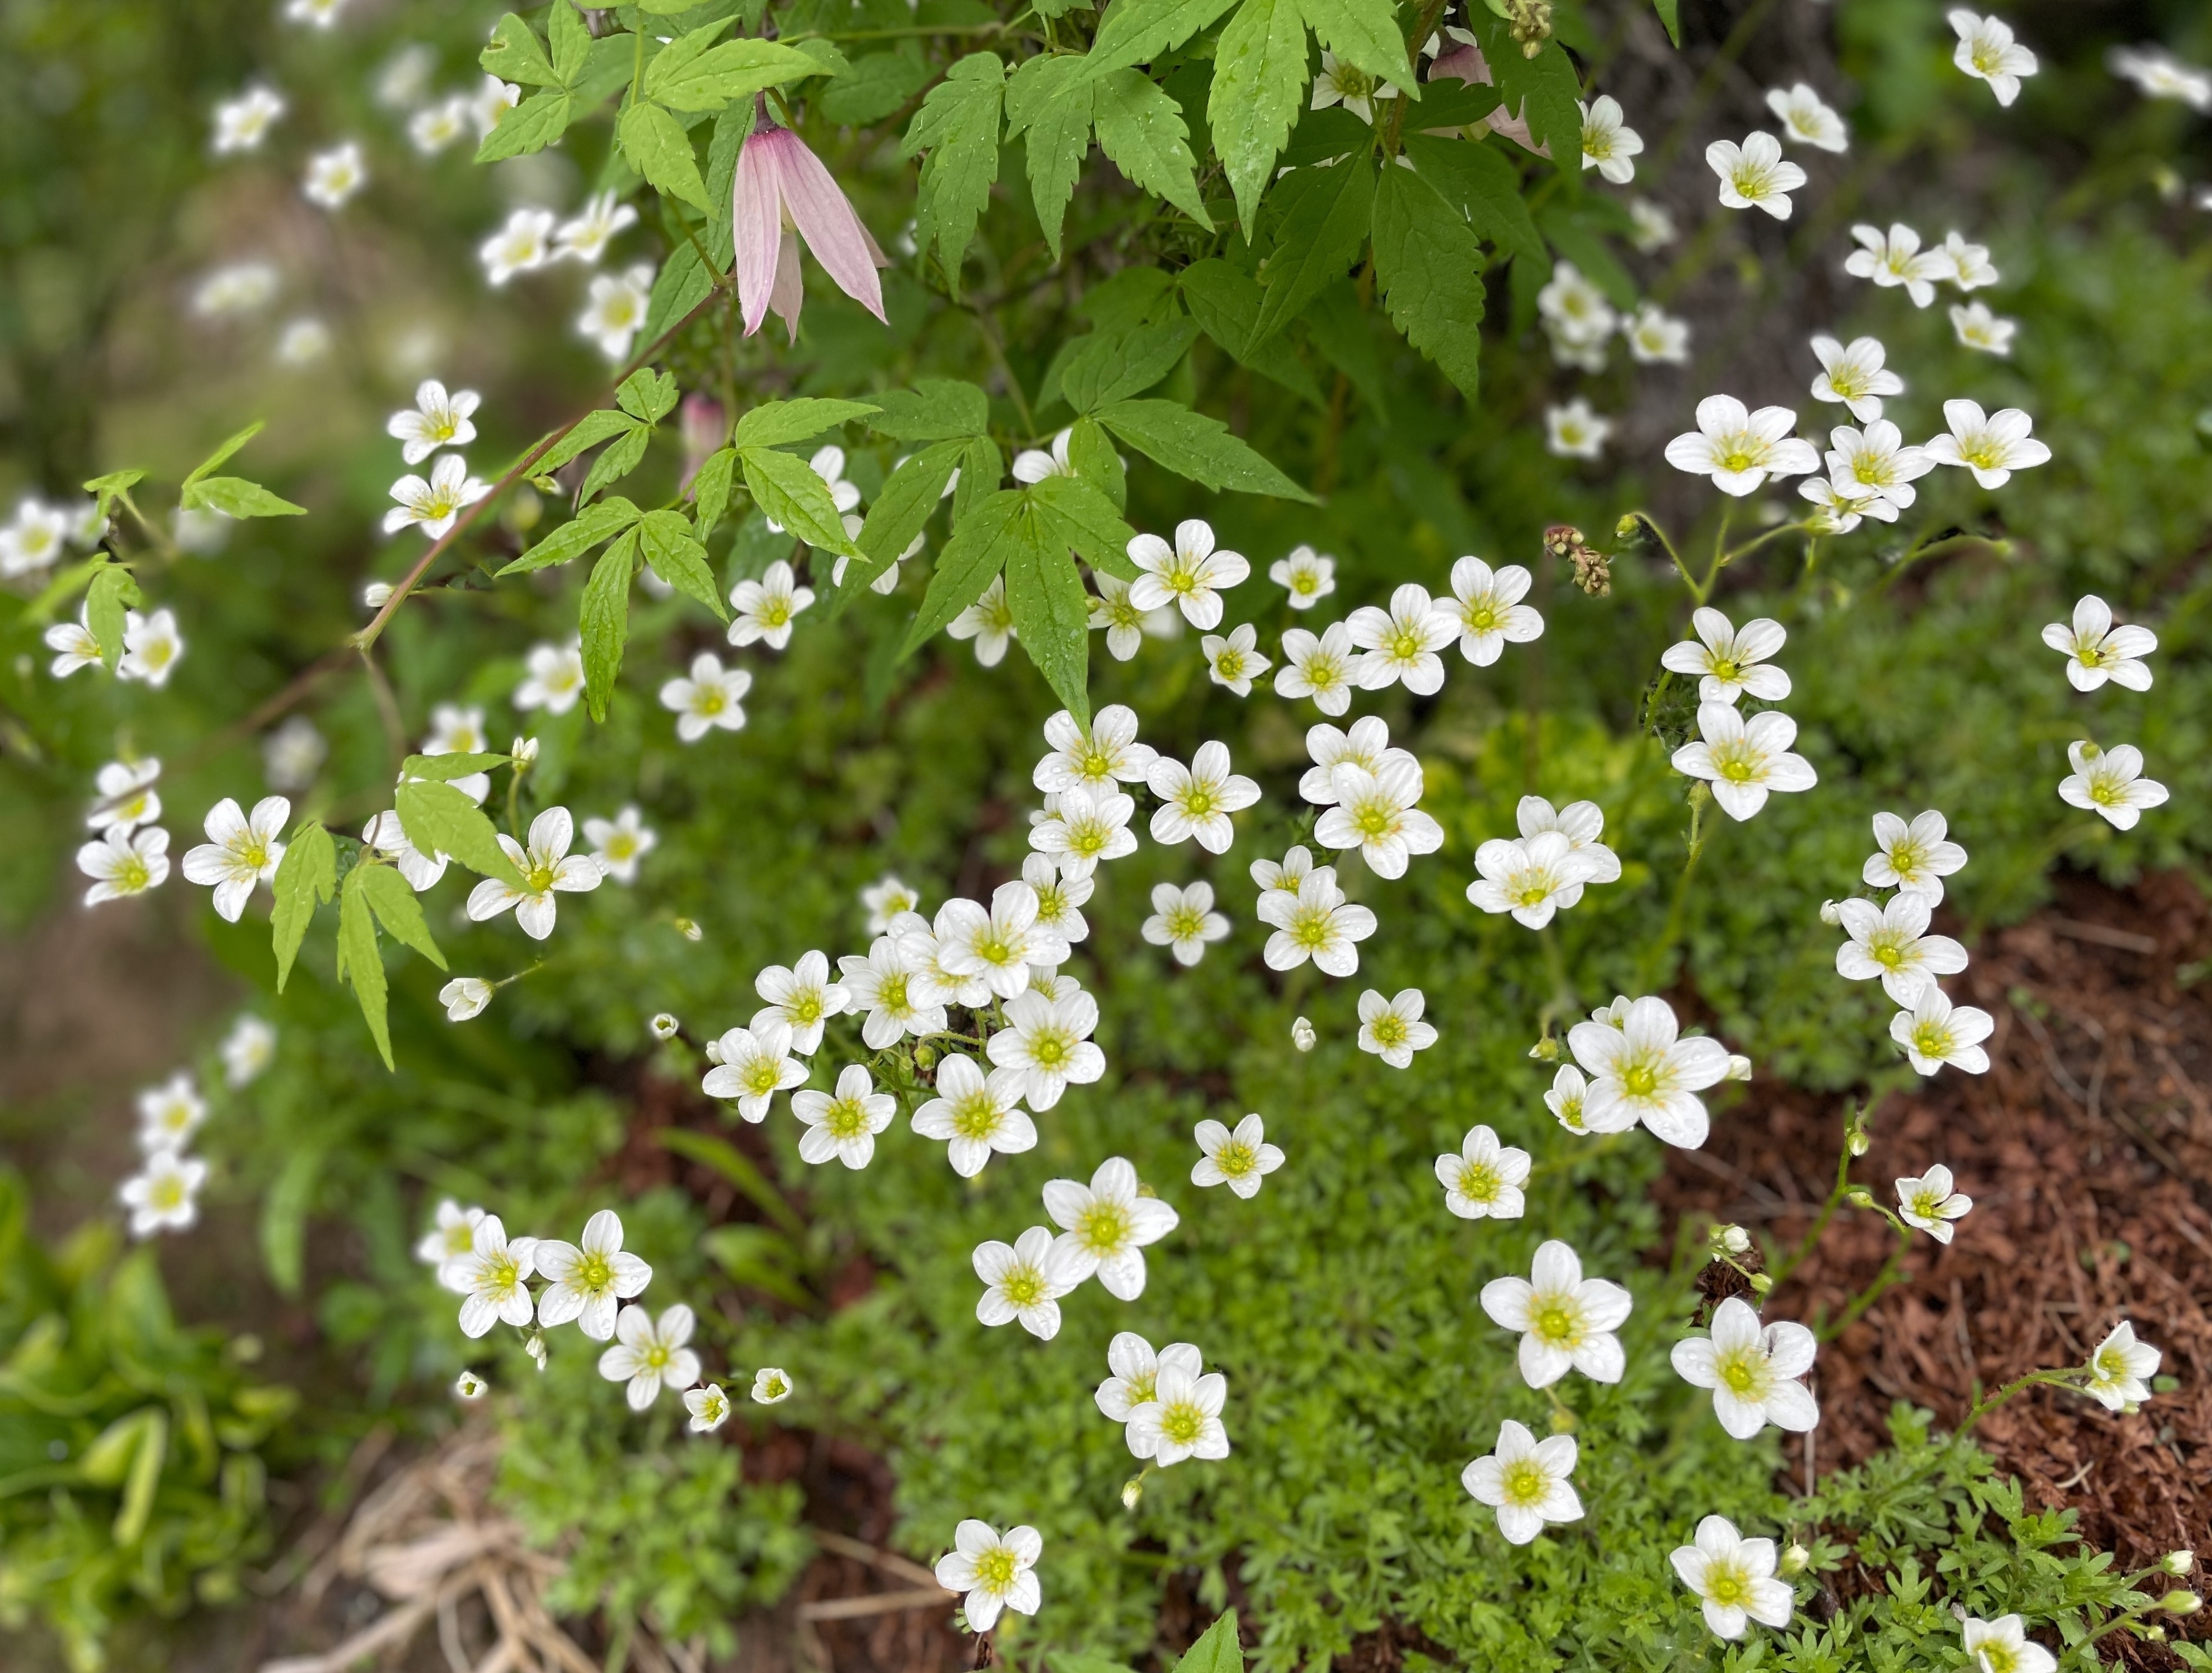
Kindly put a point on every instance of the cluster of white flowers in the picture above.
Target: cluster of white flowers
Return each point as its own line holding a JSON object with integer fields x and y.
{"x": 533, "y": 238}
{"x": 437, "y": 419}
{"x": 2109, "y": 783}
{"x": 130, "y": 852}
{"x": 163, "y": 1195}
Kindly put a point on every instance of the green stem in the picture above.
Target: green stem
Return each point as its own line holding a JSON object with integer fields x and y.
{"x": 161, "y": 542}
{"x": 1644, "y": 520}
{"x": 1935, "y": 549}
{"x": 1759, "y": 540}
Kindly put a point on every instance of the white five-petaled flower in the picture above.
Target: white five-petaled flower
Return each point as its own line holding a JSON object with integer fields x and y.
{"x": 2097, "y": 651}
{"x": 1326, "y": 667}
{"x": 1853, "y": 374}
{"x": 555, "y": 678}
{"x": 1048, "y": 1040}
{"x": 1531, "y": 877}
{"x": 2109, "y": 783}
{"x": 1734, "y": 1577}
{"x": 1525, "y": 1481}
{"x": 1966, "y": 265}
{"x": 464, "y": 997}
{"x": 1485, "y": 608}
{"x": 708, "y": 698}
{"x": 1915, "y": 857}
{"x": 1034, "y": 464}
{"x": 1024, "y": 1281}
{"x": 1992, "y": 445}
{"x": 766, "y": 608}
{"x": 1125, "y": 625}
{"x": 492, "y": 1277}
{"x": 755, "y": 1065}
{"x": 1752, "y": 1370}
{"x": 1060, "y": 896}
{"x": 586, "y": 237}
{"x": 1876, "y": 469}
{"x": 524, "y": 243}
{"x": 547, "y": 868}
{"x": 2002, "y": 1646}
{"x": 1641, "y": 1068}
{"x": 1731, "y": 661}
{"x": 1566, "y": 1321}
{"x": 1183, "y": 1420}
{"x": 615, "y": 309}
{"x": 976, "y": 1113}
{"x": 240, "y": 124}
{"x": 617, "y": 844}
{"x": 1931, "y": 1203}
{"x": 843, "y": 1123}
{"x": 1987, "y": 52}
{"x": 998, "y": 946}
{"x": 1582, "y": 824}
{"x": 891, "y": 985}
{"x": 162, "y": 1195}
{"x": 1240, "y": 1158}
{"x": 1577, "y": 316}
{"x": 437, "y": 420}
{"x": 2160, "y": 75}
{"x": 1198, "y": 799}
{"x": 1365, "y": 744}
{"x": 1755, "y": 175}
{"x": 802, "y": 997}
{"x": 169, "y": 1113}
{"x": 1895, "y": 258}
{"x": 452, "y": 1238}
{"x": 1312, "y": 919}
{"x": 771, "y": 1386}
{"x": 433, "y": 128}
{"x": 1743, "y": 760}
{"x": 241, "y": 851}
{"x": 434, "y": 504}
{"x": 333, "y": 176}
{"x": 1183, "y": 920}
{"x": 1085, "y": 827}
{"x": 1190, "y": 575}
{"x": 1738, "y": 449}
{"x": 2121, "y": 1368}
{"x": 990, "y": 623}
{"x": 1378, "y": 813}
{"x": 248, "y": 1049}
{"x": 586, "y": 1281}
{"x": 994, "y": 1573}
{"x": 1652, "y": 227}
{"x": 885, "y": 898}
{"x": 709, "y": 1408}
{"x": 1343, "y": 83}
{"x": 1609, "y": 144}
{"x": 1569, "y": 1093}
{"x": 1135, "y": 1381}
{"x": 1392, "y": 1028}
{"x": 1934, "y": 1032}
{"x": 1655, "y": 337}
{"x": 1482, "y": 1179}
{"x": 1231, "y": 659}
{"x": 1105, "y": 1226}
{"x": 74, "y": 645}
{"x": 1306, "y": 574}
{"x": 1806, "y": 119}
{"x": 1109, "y": 754}
{"x": 1978, "y": 328}
{"x": 649, "y": 1352}
{"x": 1891, "y": 943}
{"x": 122, "y": 863}
{"x": 152, "y": 647}
{"x": 1575, "y": 430}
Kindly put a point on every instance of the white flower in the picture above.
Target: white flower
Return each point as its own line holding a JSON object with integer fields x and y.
{"x": 709, "y": 1408}
{"x": 1835, "y": 513}
{"x": 1135, "y": 1381}
{"x": 1033, "y": 465}
{"x": 584, "y": 1283}
{"x": 754, "y": 1065}
{"x": 1806, "y": 118}
{"x": 241, "y": 287}
{"x": 707, "y": 699}
{"x": 1896, "y": 258}
{"x": 303, "y": 342}
{"x": 1891, "y": 943}
{"x": 1987, "y": 52}
{"x": 1608, "y": 145}
{"x": 1184, "y": 919}
{"x": 1853, "y": 374}
{"x": 1730, "y": 660}
{"x": 1581, "y": 823}
{"x": 1931, "y": 1203}
{"x": 1744, "y": 760}
{"x": 1979, "y": 329}
{"x": 1325, "y": 668}
{"x": 492, "y": 1277}
{"x": 169, "y": 1113}
{"x": 464, "y": 997}
{"x": 1104, "y": 1226}
{"x": 1125, "y": 625}
{"x": 320, "y": 14}
{"x": 124, "y": 862}
{"x": 1024, "y": 1282}
{"x": 1525, "y": 1481}
{"x": 127, "y": 796}
{"x": 649, "y": 1352}
{"x": 1483, "y": 1179}
{"x": 1533, "y": 877}
{"x": 1875, "y": 467}
{"x": 2160, "y": 75}
{"x": 1198, "y": 799}
{"x": 1097, "y": 760}
{"x": 152, "y": 647}
{"x": 977, "y": 1113}
{"x": 892, "y": 986}
{"x": 1376, "y": 812}
{"x": 617, "y": 844}
{"x": 547, "y": 867}
{"x": 2121, "y": 1368}
{"x": 437, "y": 420}
{"x": 2002, "y": 1646}
{"x": 1312, "y": 920}
{"x": 996, "y": 946}
{"x": 1048, "y": 1040}
{"x": 333, "y": 176}
{"x": 240, "y": 852}
{"x": 1347, "y": 84}
{"x": 1934, "y": 1032}
{"x": 1392, "y": 1029}
{"x": 1967, "y": 266}
{"x": 885, "y": 898}
{"x": 1566, "y": 1321}
{"x": 995, "y": 1572}
{"x": 452, "y": 1239}
{"x": 1232, "y": 661}
{"x": 1655, "y": 337}
{"x": 2097, "y": 651}
{"x": 388, "y": 837}
{"x": 161, "y": 1196}
{"x": 1642, "y": 1069}
{"x": 772, "y": 1386}
{"x": 1568, "y": 1095}
{"x": 492, "y": 100}
{"x": 1755, "y": 175}
{"x": 555, "y": 678}
{"x": 74, "y": 648}
{"x": 524, "y": 243}
{"x": 802, "y": 998}
{"x": 586, "y": 238}
{"x": 1914, "y": 858}
{"x": 989, "y": 622}
{"x": 1307, "y": 575}
{"x": 434, "y": 127}
{"x": 844, "y": 1124}
{"x": 293, "y": 753}
{"x": 1240, "y": 1160}
{"x": 1653, "y": 227}
{"x": 1191, "y": 574}
{"x": 1183, "y": 1420}
{"x": 2106, "y": 781}
{"x": 615, "y": 309}
{"x": 1752, "y": 1371}
{"x": 1734, "y": 1576}
{"x": 1575, "y": 430}
{"x": 1738, "y": 449}
{"x": 437, "y": 503}
{"x": 240, "y": 124}
{"x": 1302, "y": 1033}
{"x": 1085, "y": 827}
{"x": 1576, "y": 313}
{"x": 248, "y": 1049}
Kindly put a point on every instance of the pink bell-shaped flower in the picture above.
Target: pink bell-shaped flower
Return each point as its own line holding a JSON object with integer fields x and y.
{"x": 781, "y": 194}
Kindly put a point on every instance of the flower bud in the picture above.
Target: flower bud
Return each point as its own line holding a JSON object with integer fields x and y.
{"x": 470, "y": 1386}
{"x": 1831, "y": 914}
{"x": 712, "y": 1051}
{"x": 1739, "y": 1066}
{"x": 1761, "y": 1282}
{"x": 688, "y": 930}
{"x": 2178, "y": 1563}
{"x": 1859, "y": 1197}
{"x": 1132, "y": 1491}
{"x": 1302, "y": 1034}
{"x": 925, "y": 1057}
{"x": 1733, "y": 1238}
{"x": 525, "y": 750}
{"x": 1546, "y": 1050}
{"x": 663, "y": 1026}
{"x": 1794, "y": 1560}
{"x": 2181, "y": 1603}
{"x": 525, "y": 510}
{"x": 1563, "y": 1420}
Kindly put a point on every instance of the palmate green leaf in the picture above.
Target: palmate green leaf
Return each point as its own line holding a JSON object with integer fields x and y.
{"x": 934, "y": 410}
{"x": 1327, "y": 216}
{"x": 603, "y": 621}
{"x": 1259, "y": 85}
{"x": 910, "y": 496}
{"x": 231, "y": 446}
{"x": 1365, "y": 32}
{"x": 571, "y": 40}
{"x": 666, "y": 538}
{"x": 977, "y": 551}
{"x": 532, "y": 126}
{"x": 360, "y": 963}
{"x": 439, "y": 819}
{"x": 445, "y": 768}
{"x": 396, "y": 909}
{"x": 782, "y": 486}
{"x": 1431, "y": 267}
{"x": 1543, "y": 88}
{"x": 1111, "y": 365}
{"x": 1076, "y": 511}
{"x": 1051, "y": 612}
{"x": 306, "y": 877}
{"x": 959, "y": 126}
{"x": 647, "y": 395}
{"x": 659, "y": 149}
{"x": 1138, "y": 30}
{"x": 588, "y": 431}
{"x": 114, "y": 593}
{"x": 515, "y": 54}
{"x": 595, "y": 523}
{"x": 1142, "y": 132}
{"x": 1486, "y": 187}
{"x": 1195, "y": 446}
{"x": 1219, "y": 1650}
{"x": 777, "y": 423}
{"x": 1096, "y": 460}
{"x": 1226, "y": 304}
{"x": 980, "y": 468}
{"x": 692, "y": 74}
{"x": 234, "y": 496}
{"x": 1048, "y": 106}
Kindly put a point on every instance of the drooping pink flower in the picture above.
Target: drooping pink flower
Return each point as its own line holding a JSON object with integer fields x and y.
{"x": 1465, "y": 63}
{"x": 782, "y": 193}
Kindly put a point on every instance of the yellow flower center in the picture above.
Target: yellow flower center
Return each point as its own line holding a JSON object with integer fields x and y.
{"x": 1526, "y": 1484}
{"x": 1182, "y": 1423}
{"x": 1023, "y": 1287}
{"x": 168, "y": 1192}
{"x": 595, "y": 1273}
{"x": 1050, "y": 1049}
{"x": 1235, "y": 1160}
{"x": 1640, "y": 1079}
{"x": 845, "y": 1119}
{"x": 1728, "y": 1584}
{"x": 1932, "y": 1039}
{"x": 995, "y": 1569}
{"x": 1105, "y": 1228}
{"x": 1556, "y": 1321}
{"x": 977, "y": 1116}
{"x": 1479, "y": 1182}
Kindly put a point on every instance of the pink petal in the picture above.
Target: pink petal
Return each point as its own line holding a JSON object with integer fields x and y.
{"x": 757, "y": 225}
{"x": 826, "y": 220}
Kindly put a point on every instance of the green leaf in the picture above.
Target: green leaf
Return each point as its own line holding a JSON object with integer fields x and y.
{"x": 1049, "y": 106}
{"x": 439, "y": 819}
{"x": 618, "y": 460}
{"x": 709, "y": 77}
{"x": 603, "y": 621}
{"x": 110, "y": 485}
{"x": 1076, "y": 1661}
{"x": 1327, "y": 214}
{"x": 726, "y": 1160}
{"x": 234, "y": 496}
{"x": 396, "y": 909}
{"x": 828, "y": 58}
{"x": 572, "y": 42}
{"x": 684, "y": 282}
{"x": 1075, "y": 511}
{"x": 976, "y": 553}
{"x": 114, "y": 592}
{"x": 225, "y": 451}
{"x": 1226, "y": 304}
{"x": 1365, "y": 32}
{"x": 958, "y": 125}
{"x": 359, "y": 963}
{"x": 934, "y": 410}
{"x": 1195, "y": 446}
{"x": 875, "y": 86}
{"x": 1544, "y": 89}
{"x": 679, "y": 560}
{"x": 647, "y": 395}
{"x": 1219, "y": 1650}
{"x": 980, "y": 468}
{"x": 1092, "y": 454}
{"x": 910, "y": 496}
{"x": 307, "y": 877}
{"x": 602, "y": 521}
{"x": 1670, "y": 13}
{"x": 284, "y": 1216}
{"x": 659, "y": 149}
{"x": 1431, "y": 267}
{"x": 1485, "y": 186}
{"x": 1259, "y": 84}
{"x": 1345, "y": 333}
{"x": 710, "y": 489}
{"x": 1574, "y": 239}
{"x": 515, "y": 55}
{"x": 775, "y": 423}
{"x": 444, "y": 769}
{"x": 532, "y": 126}
{"x": 1138, "y": 30}
{"x": 589, "y": 431}
{"x": 782, "y": 486}
{"x": 1142, "y": 132}
{"x": 1109, "y": 366}
{"x": 1052, "y": 615}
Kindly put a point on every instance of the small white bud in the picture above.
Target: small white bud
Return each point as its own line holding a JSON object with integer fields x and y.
{"x": 1546, "y": 1050}
{"x": 1735, "y": 1239}
{"x": 688, "y": 930}
{"x": 1859, "y": 1142}
{"x": 2178, "y": 1563}
{"x": 1831, "y": 913}
{"x": 2181, "y": 1603}
{"x": 470, "y": 1386}
{"x": 712, "y": 1051}
{"x": 663, "y": 1026}
{"x": 1302, "y": 1037}
{"x": 1739, "y": 1066}
{"x": 771, "y": 1385}
{"x": 524, "y": 751}
{"x": 1794, "y": 1559}
{"x": 1761, "y": 1282}
{"x": 1132, "y": 1491}
{"x": 376, "y": 594}
{"x": 1859, "y": 1197}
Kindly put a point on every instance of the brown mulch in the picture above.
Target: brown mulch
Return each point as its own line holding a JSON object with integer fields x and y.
{"x": 2088, "y": 1150}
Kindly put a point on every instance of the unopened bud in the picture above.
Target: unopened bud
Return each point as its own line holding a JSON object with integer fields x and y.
{"x": 1546, "y": 1050}
{"x": 925, "y": 1057}
{"x": 533, "y": 1343}
{"x": 470, "y": 1386}
{"x": 1302, "y": 1034}
{"x": 525, "y": 510}
{"x": 2181, "y": 1603}
{"x": 1739, "y": 1066}
{"x": 688, "y": 930}
{"x": 2178, "y": 1563}
{"x": 375, "y": 595}
{"x": 1794, "y": 1559}
{"x": 1859, "y": 1197}
{"x": 663, "y": 1026}
{"x": 1831, "y": 914}
{"x": 712, "y": 1051}
{"x": 1563, "y": 1420}
{"x": 1132, "y": 1491}
{"x": 1733, "y": 1239}
{"x": 525, "y": 750}
{"x": 1761, "y": 1283}
{"x": 2153, "y": 1632}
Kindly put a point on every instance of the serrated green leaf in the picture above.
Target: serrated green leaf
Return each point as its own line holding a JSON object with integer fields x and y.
{"x": 782, "y": 486}
{"x": 114, "y": 593}
{"x": 910, "y": 495}
{"x": 1579, "y": 242}
{"x": 515, "y": 54}
{"x": 666, "y": 538}
{"x": 876, "y": 86}
{"x": 1109, "y": 366}
{"x": 603, "y": 621}
{"x": 1544, "y": 89}
{"x": 1365, "y": 32}
{"x": 659, "y": 149}
{"x": 571, "y": 39}
{"x": 359, "y": 963}
{"x": 710, "y": 489}
{"x": 225, "y": 450}
{"x": 829, "y": 58}
{"x": 1219, "y": 1650}
{"x": 713, "y": 75}
{"x": 647, "y": 395}
{"x": 1487, "y": 189}
{"x": 977, "y": 551}
{"x": 1259, "y": 83}
{"x": 1049, "y": 106}
{"x": 234, "y": 496}
{"x": 1076, "y": 513}
{"x": 439, "y": 819}
{"x": 618, "y": 460}
{"x": 1192, "y": 445}
{"x": 396, "y": 909}
{"x": 595, "y": 523}
{"x": 684, "y": 281}
{"x": 588, "y": 431}
{"x": 1052, "y": 613}
{"x": 1430, "y": 268}
{"x": 1092, "y": 453}
{"x": 980, "y": 468}
{"x": 444, "y": 769}
{"x": 1138, "y": 30}
{"x": 532, "y": 126}
{"x": 1327, "y": 217}
{"x": 777, "y": 423}
{"x": 1142, "y": 132}
{"x": 307, "y": 877}
{"x": 1226, "y": 304}
{"x": 934, "y": 410}
{"x": 957, "y": 126}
